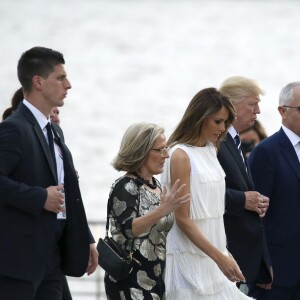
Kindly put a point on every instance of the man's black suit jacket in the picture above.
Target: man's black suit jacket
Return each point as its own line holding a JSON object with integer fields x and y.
{"x": 27, "y": 230}
{"x": 244, "y": 229}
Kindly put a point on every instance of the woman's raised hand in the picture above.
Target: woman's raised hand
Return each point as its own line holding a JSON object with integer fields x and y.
{"x": 169, "y": 202}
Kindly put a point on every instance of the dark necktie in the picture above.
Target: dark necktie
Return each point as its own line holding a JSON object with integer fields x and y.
{"x": 51, "y": 145}
{"x": 238, "y": 143}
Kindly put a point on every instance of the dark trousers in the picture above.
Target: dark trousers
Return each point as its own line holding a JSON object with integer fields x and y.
{"x": 14, "y": 289}
{"x": 48, "y": 287}
{"x": 276, "y": 293}
{"x": 66, "y": 294}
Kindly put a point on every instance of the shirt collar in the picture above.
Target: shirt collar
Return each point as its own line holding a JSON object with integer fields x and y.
{"x": 41, "y": 119}
{"x": 293, "y": 137}
{"x": 232, "y": 131}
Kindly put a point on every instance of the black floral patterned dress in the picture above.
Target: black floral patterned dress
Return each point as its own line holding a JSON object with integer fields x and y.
{"x": 146, "y": 279}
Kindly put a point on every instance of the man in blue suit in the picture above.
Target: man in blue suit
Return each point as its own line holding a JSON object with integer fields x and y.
{"x": 275, "y": 168}
{"x": 43, "y": 226}
{"x": 244, "y": 206}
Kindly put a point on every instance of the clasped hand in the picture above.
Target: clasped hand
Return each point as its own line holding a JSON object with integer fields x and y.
{"x": 257, "y": 202}
{"x": 55, "y": 199}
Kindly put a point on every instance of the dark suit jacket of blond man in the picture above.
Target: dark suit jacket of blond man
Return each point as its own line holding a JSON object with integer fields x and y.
{"x": 244, "y": 228}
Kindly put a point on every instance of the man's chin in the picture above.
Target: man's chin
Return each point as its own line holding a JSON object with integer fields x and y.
{"x": 250, "y": 124}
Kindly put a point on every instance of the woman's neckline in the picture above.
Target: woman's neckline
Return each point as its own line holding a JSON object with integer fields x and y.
{"x": 130, "y": 176}
{"x": 196, "y": 146}
{"x": 141, "y": 180}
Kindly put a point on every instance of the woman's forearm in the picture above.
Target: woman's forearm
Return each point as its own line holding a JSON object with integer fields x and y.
{"x": 143, "y": 224}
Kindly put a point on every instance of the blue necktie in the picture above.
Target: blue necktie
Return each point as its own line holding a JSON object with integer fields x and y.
{"x": 237, "y": 141}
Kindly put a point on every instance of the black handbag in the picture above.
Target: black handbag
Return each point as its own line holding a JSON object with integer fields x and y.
{"x": 117, "y": 262}
{"x": 114, "y": 260}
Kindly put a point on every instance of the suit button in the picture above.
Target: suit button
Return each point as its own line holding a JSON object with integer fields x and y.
{"x": 77, "y": 199}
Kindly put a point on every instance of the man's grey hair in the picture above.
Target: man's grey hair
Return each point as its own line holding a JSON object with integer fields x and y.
{"x": 286, "y": 95}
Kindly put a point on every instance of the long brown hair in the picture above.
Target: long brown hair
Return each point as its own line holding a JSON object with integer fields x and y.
{"x": 15, "y": 100}
{"x": 204, "y": 104}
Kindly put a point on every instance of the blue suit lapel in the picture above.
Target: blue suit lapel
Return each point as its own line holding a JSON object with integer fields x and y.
{"x": 288, "y": 152}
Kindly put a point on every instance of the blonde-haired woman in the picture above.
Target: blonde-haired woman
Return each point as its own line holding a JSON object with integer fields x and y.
{"x": 141, "y": 212}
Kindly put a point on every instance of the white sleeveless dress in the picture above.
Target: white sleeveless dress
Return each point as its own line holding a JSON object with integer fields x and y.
{"x": 190, "y": 273}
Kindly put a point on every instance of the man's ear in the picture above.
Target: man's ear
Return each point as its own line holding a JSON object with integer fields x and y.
{"x": 37, "y": 82}
{"x": 282, "y": 110}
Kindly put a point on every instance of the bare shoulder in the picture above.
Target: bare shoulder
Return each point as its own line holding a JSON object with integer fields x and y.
{"x": 180, "y": 154}
{"x": 180, "y": 158}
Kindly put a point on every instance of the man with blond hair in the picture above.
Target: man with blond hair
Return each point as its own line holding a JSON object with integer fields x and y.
{"x": 244, "y": 206}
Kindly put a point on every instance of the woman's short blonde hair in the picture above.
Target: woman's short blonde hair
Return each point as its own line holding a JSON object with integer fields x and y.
{"x": 239, "y": 87}
{"x": 138, "y": 140}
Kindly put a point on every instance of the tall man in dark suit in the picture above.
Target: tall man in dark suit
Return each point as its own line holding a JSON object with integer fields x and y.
{"x": 276, "y": 173}
{"x": 43, "y": 227}
{"x": 244, "y": 206}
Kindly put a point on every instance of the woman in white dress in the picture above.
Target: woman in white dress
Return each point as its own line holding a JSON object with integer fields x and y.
{"x": 198, "y": 264}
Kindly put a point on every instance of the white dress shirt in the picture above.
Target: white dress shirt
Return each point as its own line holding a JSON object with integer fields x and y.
{"x": 43, "y": 121}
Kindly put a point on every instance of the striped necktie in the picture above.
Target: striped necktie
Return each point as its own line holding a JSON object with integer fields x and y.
{"x": 237, "y": 141}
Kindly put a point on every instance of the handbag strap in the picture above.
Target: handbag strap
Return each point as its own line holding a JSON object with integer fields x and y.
{"x": 110, "y": 202}
{"x": 108, "y": 211}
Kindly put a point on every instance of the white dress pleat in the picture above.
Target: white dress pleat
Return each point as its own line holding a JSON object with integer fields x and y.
{"x": 190, "y": 273}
